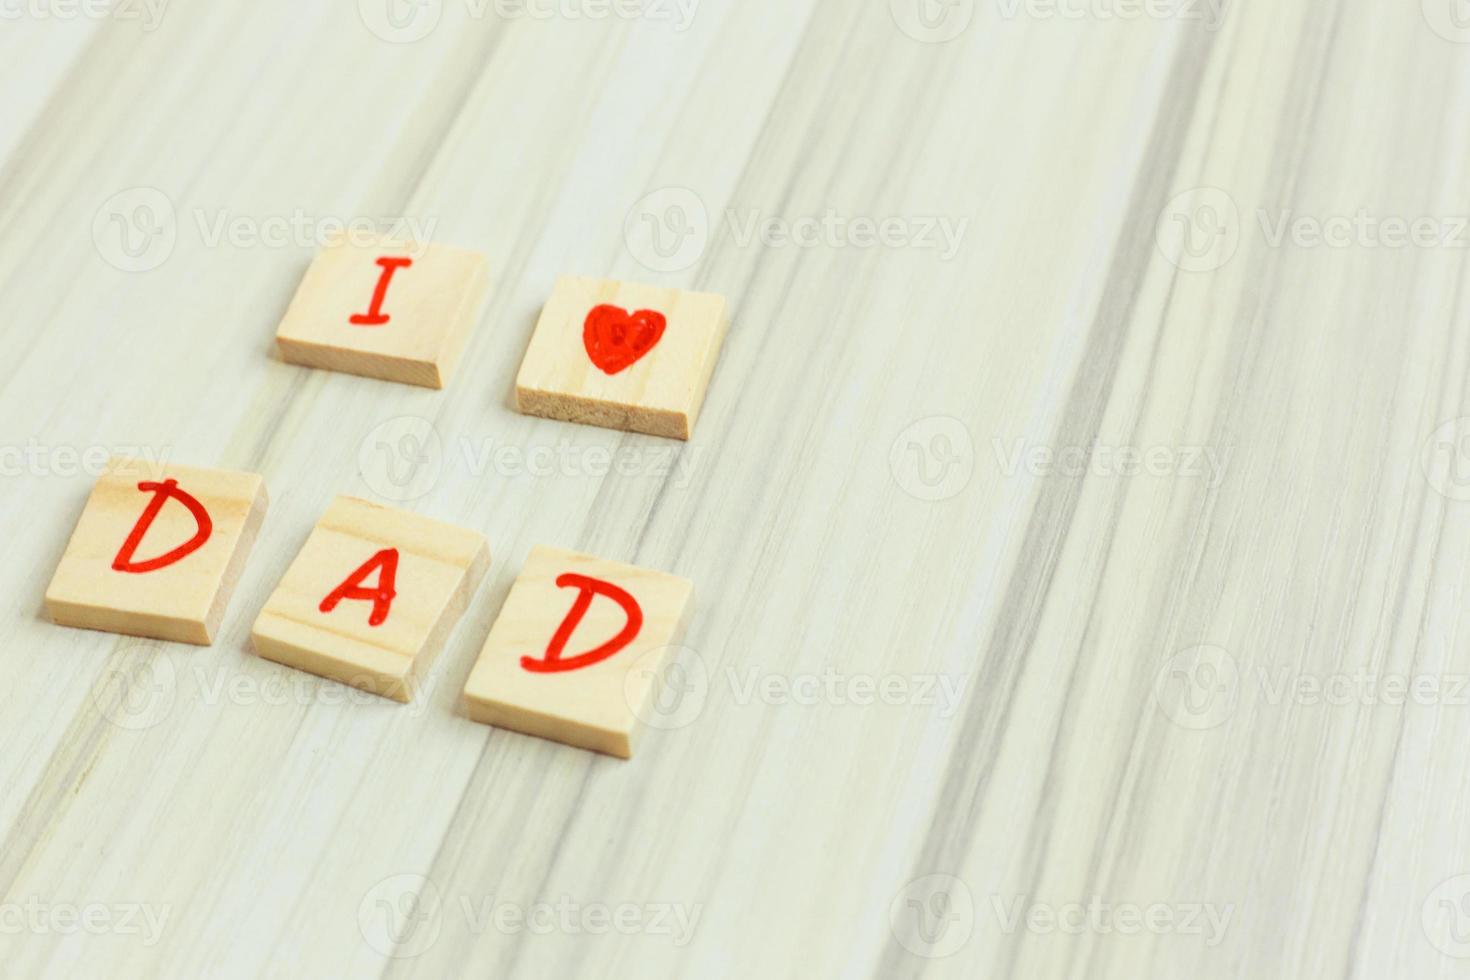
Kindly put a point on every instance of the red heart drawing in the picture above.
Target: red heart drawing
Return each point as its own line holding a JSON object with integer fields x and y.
{"x": 616, "y": 339}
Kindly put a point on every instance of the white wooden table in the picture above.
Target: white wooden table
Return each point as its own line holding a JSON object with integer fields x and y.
{"x": 1079, "y": 513}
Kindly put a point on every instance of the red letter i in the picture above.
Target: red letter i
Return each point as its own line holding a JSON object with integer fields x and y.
{"x": 375, "y": 317}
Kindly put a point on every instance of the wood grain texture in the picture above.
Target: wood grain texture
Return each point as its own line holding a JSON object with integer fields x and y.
{"x": 1141, "y": 498}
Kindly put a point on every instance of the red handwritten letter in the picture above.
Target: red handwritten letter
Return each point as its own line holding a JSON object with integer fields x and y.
{"x": 385, "y": 563}
{"x": 161, "y": 492}
{"x": 375, "y": 317}
{"x": 553, "y": 662}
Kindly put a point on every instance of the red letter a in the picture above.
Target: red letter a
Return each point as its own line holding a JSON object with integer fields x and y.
{"x": 553, "y": 663}
{"x": 162, "y": 491}
{"x": 385, "y": 563}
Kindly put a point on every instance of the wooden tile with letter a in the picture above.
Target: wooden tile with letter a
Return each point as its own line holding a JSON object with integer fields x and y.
{"x": 396, "y": 311}
{"x": 372, "y": 596}
{"x": 577, "y": 651}
{"x": 158, "y": 550}
{"x": 622, "y": 356}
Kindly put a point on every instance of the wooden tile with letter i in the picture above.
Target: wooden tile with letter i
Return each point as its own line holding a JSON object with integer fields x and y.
{"x": 622, "y": 356}
{"x": 399, "y": 311}
{"x": 372, "y": 596}
{"x": 158, "y": 550}
{"x": 578, "y": 649}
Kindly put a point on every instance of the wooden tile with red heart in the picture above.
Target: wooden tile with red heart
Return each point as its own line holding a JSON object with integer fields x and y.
{"x": 622, "y": 355}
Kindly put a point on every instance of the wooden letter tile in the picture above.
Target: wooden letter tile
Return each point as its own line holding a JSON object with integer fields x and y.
{"x": 372, "y": 596}
{"x": 576, "y": 651}
{"x": 158, "y": 550}
{"x": 622, "y": 356}
{"x": 396, "y": 311}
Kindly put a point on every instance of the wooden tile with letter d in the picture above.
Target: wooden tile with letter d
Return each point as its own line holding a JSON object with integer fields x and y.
{"x": 577, "y": 651}
{"x": 158, "y": 550}
{"x": 372, "y": 596}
